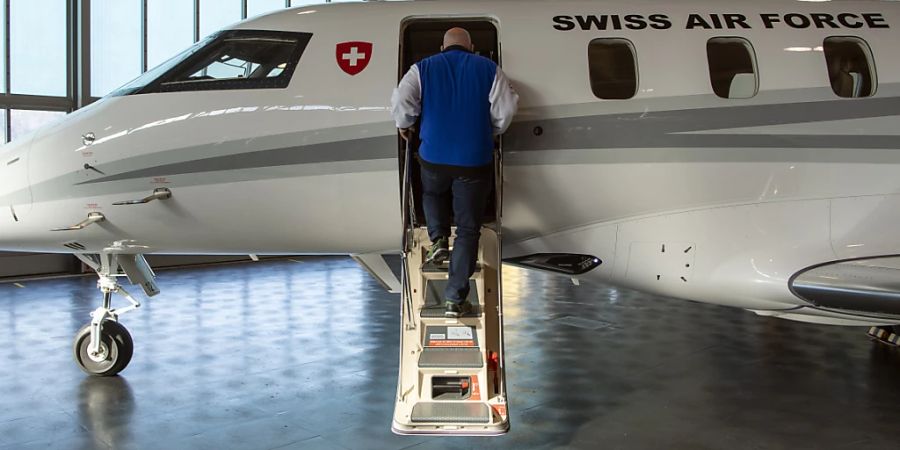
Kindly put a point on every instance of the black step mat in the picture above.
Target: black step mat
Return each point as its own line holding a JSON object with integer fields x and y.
{"x": 451, "y": 358}
{"x": 434, "y": 303}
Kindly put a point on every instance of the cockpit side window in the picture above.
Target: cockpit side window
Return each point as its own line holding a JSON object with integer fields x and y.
{"x": 238, "y": 59}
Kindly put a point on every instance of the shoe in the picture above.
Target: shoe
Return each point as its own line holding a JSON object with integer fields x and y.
{"x": 457, "y": 309}
{"x": 439, "y": 251}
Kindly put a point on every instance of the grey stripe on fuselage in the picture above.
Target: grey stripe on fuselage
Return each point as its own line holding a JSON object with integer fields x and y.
{"x": 659, "y": 135}
{"x": 663, "y": 129}
{"x": 372, "y": 148}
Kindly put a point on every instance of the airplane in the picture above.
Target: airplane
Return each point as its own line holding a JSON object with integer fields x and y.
{"x": 729, "y": 153}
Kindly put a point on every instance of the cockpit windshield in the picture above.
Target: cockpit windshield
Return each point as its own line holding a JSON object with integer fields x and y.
{"x": 236, "y": 59}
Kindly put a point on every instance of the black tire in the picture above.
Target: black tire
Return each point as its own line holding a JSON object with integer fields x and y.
{"x": 114, "y": 340}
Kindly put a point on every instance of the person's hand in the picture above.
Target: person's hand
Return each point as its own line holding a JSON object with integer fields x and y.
{"x": 404, "y": 133}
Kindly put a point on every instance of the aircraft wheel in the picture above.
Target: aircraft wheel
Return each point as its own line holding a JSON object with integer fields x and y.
{"x": 116, "y": 349}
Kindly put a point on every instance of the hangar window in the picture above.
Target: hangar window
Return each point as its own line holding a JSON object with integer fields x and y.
{"x": 732, "y": 67}
{"x": 235, "y": 59}
{"x": 850, "y": 66}
{"x": 613, "y": 68}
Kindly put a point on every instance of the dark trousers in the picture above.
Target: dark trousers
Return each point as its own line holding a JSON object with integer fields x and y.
{"x": 468, "y": 198}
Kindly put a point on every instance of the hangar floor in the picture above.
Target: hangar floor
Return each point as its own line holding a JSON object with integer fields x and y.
{"x": 303, "y": 354}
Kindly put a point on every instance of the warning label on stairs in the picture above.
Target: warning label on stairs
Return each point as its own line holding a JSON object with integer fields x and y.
{"x": 439, "y": 336}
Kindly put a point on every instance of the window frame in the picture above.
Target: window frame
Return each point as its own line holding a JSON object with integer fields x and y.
{"x": 66, "y": 92}
{"x": 754, "y": 65}
{"x": 637, "y": 74}
{"x": 867, "y": 53}
{"x": 282, "y": 81}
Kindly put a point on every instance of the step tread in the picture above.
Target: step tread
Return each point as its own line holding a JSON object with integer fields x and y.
{"x": 451, "y": 358}
{"x": 447, "y": 412}
{"x": 431, "y": 267}
{"x": 434, "y": 294}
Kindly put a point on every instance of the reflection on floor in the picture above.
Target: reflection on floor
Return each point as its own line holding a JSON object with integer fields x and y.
{"x": 303, "y": 354}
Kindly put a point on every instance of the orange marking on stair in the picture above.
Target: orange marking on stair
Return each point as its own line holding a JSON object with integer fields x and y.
{"x": 476, "y": 388}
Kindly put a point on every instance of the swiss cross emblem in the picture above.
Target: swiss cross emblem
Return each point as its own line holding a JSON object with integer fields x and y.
{"x": 354, "y": 56}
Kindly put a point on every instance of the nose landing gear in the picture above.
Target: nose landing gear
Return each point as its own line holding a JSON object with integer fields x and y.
{"x": 104, "y": 347}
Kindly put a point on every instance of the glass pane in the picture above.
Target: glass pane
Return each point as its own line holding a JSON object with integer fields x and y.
{"x": 38, "y": 47}
{"x": 731, "y": 67}
{"x": 238, "y": 58}
{"x": 115, "y": 44}
{"x": 24, "y": 121}
{"x": 241, "y": 60}
{"x": 849, "y": 66}
{"x": 3, "y": 125}
{"x": 306, "y": 2}
{"x": 3, "y": 63}
{"x": 256, "y": 7}
{"x": 215, "y": 14}
{"x": 613, "y": 68}
{"x": 170, "y": 29}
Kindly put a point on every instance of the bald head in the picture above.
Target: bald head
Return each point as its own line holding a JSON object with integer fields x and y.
{"x": 458, "y": 36}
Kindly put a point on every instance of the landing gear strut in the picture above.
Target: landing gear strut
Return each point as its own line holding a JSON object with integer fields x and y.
{"x": 104, "y": 347}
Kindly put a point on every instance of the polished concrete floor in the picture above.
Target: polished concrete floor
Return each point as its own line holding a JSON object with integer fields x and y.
{"x": 303, "y": 354}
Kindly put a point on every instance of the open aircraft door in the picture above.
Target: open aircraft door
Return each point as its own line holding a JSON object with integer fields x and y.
{"x": 452, "y": 377}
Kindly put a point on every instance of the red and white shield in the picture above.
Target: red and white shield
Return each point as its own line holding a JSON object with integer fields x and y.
{"x": 354, "y": 56}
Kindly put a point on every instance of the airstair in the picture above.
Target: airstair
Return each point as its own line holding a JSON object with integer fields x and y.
{"x": 452, "y": 375}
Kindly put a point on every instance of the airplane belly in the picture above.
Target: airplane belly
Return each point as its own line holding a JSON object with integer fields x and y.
{"x": 866, "y": 226}
{"x": 341, "y": 213}
{"x": 741, "y": 256}
{"x": 730, "y": 233}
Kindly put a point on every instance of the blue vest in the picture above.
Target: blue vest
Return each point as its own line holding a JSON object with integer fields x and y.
{"x": 456, "y": 125}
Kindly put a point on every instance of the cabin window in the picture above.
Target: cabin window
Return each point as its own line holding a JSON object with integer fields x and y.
{"x": 613, "y": 68}
{"x": 238, "y": 59}
{"x": 850, "y": 66}
{"x": 732, "y": 67}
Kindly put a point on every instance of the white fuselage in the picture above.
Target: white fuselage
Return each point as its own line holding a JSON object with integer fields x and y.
{"x": 722, "y": 223}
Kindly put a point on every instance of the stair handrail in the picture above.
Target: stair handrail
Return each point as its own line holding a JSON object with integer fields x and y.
{"x": 498, "y": 212}
{"x": 408, "y": 212}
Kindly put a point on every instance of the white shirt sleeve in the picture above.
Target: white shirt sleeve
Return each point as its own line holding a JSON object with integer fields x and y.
{"x": 504, "y": 102}
{"x": 406, "y": 102}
